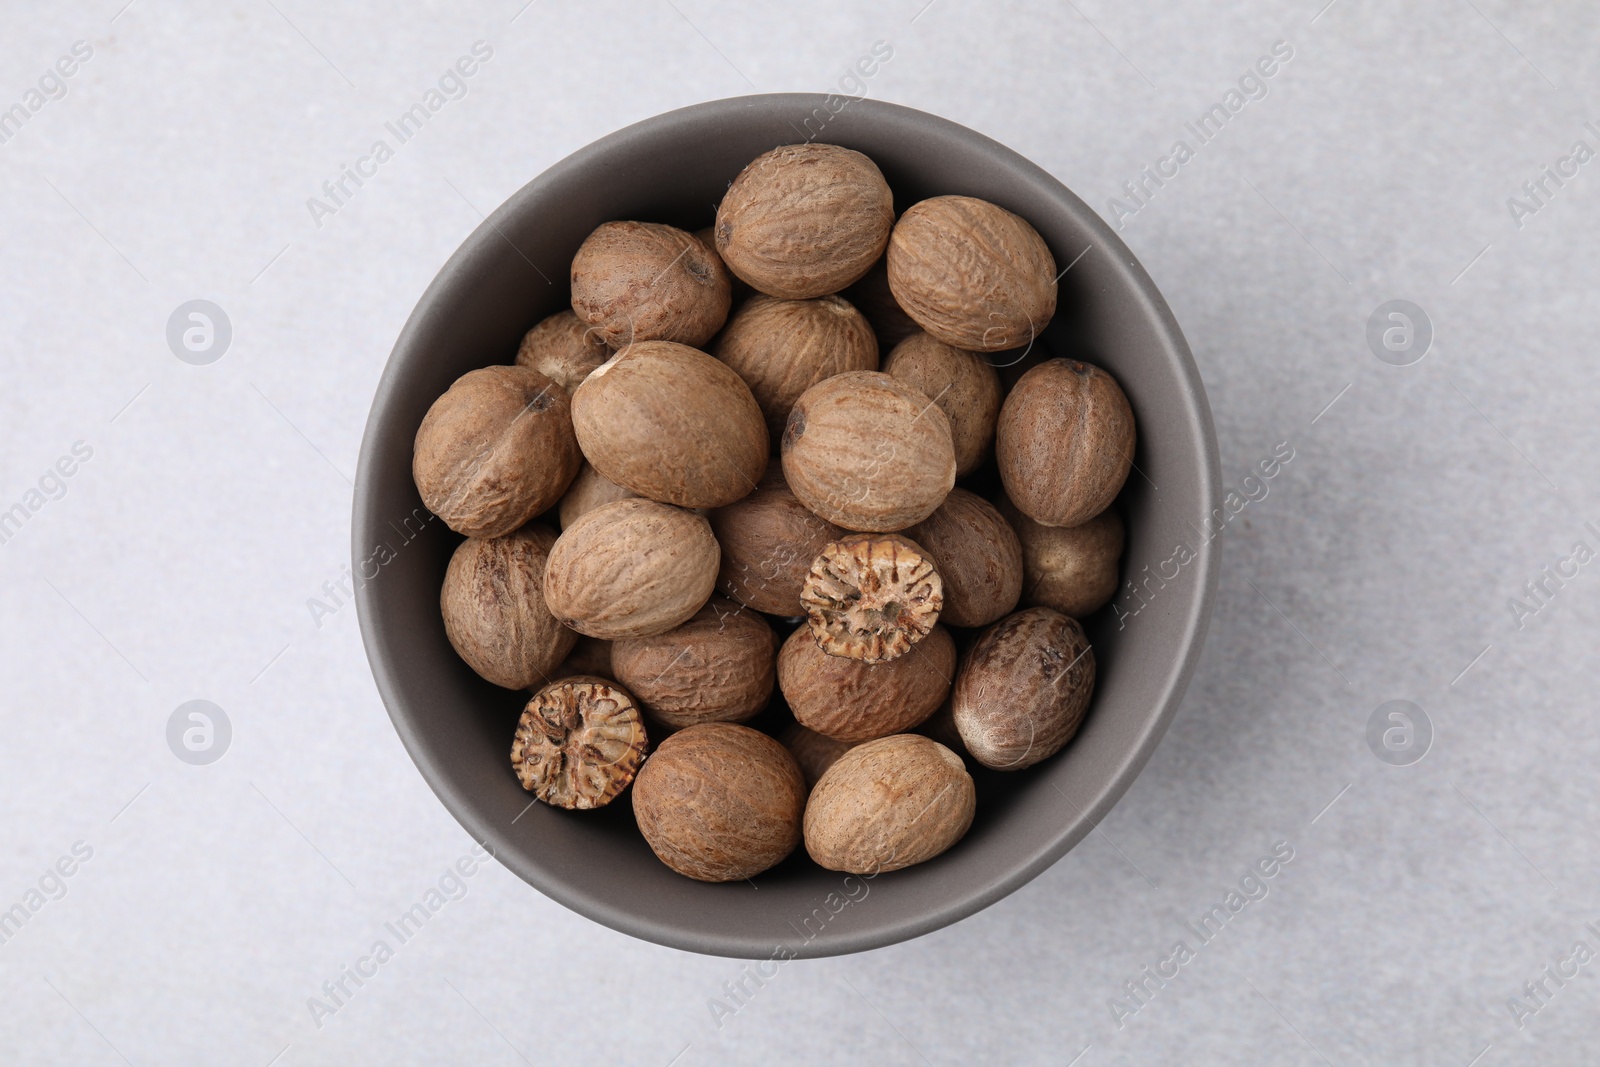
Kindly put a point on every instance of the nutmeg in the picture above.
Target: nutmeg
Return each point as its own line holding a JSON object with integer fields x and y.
{"x": 1021, "y": 691}
{"x": 971, "y": 273}
{"x": 673, "y": 424}
{"x": 769, "y": 540}
{"x": 717, "y": 667}
{"x": 962, "y": 383}
{"x": 977, "y": 555}
{"x": 783, "y": 347}
{"x": 814, "y": 752}
{"x": 888, "y": 804}
{"x": 495, "y": 450}
{"x": 643, "y": 281}
{"x": 1070, "y": 568}
{"x": 868, "y": 452}
{"x": 871, "y": 596}
{"x": 564, "y": 349}
{"x": 589, "y": 490}
{"x": 494, "y": 609}
{"x": 852, "y": 700}
{"x": 579, "y": 743}
{"x": 805, "y": 220}
{"x": 631, "y": 568}
{"x": 871, "y": 296}
{"x": 1064, "y": 442}
{"x": 590, "y": 656}
{"x": 719, "y": 802}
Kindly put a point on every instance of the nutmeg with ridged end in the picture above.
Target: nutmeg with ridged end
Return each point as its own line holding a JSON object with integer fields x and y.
{"x": 579, "y": 743}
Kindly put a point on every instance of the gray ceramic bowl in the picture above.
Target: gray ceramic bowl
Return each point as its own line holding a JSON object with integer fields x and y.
{"x": 512, "y": 271}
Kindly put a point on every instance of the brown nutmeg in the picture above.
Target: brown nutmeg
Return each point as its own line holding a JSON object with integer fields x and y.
{"x": 717, "y": 667}
{"x": 589, "y": 490}
{"x": 670, "y": 423}
{"x": 814, "y": 752}
{"x": 868, "y": 452}
{"x": 719, "y": 802}
{"x": 643, "y": 281}
{"x": 971, "y": 273}
{"x": 871, "y": 596}
{"x": 1022, "y": 689}
{"x": 852, "y": 700}
{"x": 783, "y": 347}
{"x": 631, "y": 569}
{"x": 1070, "y": 568}
{"x": 1064, "y": 442}
{"x": 871, "y": 296}
{"x": 494, "y": 609}
{"x": 977, "y": 555}
{"x": 590, "y": 656}
{"x": 495, "y": 450}
{"x": 579, "y": 743}
{"x": 964, "y": 385}
{"x": 888, "y": 804}
{"x": 805, "y": 220}
{"x": 564, "y": 349}
{"x": 769, "y": 540}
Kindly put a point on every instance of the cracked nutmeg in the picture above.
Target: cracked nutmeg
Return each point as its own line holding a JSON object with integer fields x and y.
{"x": 579, "y": 743}
{"x": 872, "y": 596}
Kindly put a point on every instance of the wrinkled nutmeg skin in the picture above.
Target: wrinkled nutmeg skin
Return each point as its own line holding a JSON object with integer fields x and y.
{"x": 1021, "y": 691}
{"x": 768, "y": 541}
{"x": 978, "y": 556}
{"x": 494, "y": 609}
{"x": 719, "y": 802}
{"x": 720, "y": 666}
{"x": 579, "y": 743}
{"x": 851, "y": 700}
{"x": 962, "y": 383}
{"x": 972, "y": 274}
{"x": 673, "y": 424}
{"x": 889, "y": 804}
{"x": 495, "y": 450}
{"x": 632, "y": 568}
{"x": 868, "y": 452}
{"x": 564, "y": 349}
{"x": 589, "y": 490}
{"x": 871, "y": 296}
{"x": 1064, "y": 442}
{"x": 1070, "y": 568}
{"x": 805, "y": 220}
{"x": 590, "y": 656}
{"x": 781, "y": 348}
{"x": 814, "y": 752}
{"x": 644, "y": 281}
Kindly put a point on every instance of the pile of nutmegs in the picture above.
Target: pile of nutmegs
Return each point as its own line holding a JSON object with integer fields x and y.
{"x": 644, "y": 423}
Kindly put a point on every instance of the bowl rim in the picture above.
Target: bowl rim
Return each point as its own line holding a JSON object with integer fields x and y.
{"x": 365, "y": 518}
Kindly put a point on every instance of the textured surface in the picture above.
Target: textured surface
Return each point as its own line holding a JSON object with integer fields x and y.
{"x": 217, "y": 903}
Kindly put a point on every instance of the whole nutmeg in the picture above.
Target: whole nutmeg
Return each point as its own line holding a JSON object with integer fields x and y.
{"x": 643, "y": 281}
{"x": 888, "y": 804}
{"x": 1022, "y": 689}
{"x": 494, "y": 608}
{"x": 564, "y": 349}
{"x": 590, "y": 656}
{"x": 814, "y": 752}
{"x": 781, "y": 348}
{"x": 631, "y": 569}
{"x": 871, "y": 296}
{"x": 769, "y": 540}
{"x": 805, "y": 220}
{"x": 579, "y": 743}
{"x": 962, "y": 383}
{"x": 941, "y": 727}
{"x": 719, "y": 802}
{"x": 717, "y": 667}
{"x": 670, "y": 423}
{"x": 971, "y": 273}
{"x": 868, "y": 452}
{"x": 977, "y": 555}
{"x": 1064, "y": 442}
{"x": 851, "y": 700}
{"x": 1070, "y": 568}
{"x": 871, "y": 597}
{"x": 495, "y": 450}
{"x": 589, "y": 490}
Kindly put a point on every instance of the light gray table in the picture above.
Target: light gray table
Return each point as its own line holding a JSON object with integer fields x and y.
{"x": 207, "y": 510}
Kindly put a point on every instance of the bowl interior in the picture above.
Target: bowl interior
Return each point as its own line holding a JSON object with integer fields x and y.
{"x": 512, "y": 271}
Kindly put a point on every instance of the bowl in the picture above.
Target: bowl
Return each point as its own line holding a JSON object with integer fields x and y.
{"x": 512, "y": 271}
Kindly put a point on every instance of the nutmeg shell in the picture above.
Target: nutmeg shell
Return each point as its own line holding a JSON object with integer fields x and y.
{"x": 1064, "y": 442}
{"x": 978, "y": 556}
{"x": 852, "y": 700}
{"x": 720, "y": 666}
{"x": 1022, "y": 689}
{"x": 962, "y": 383}
{"x": 644, "y": 281}
{"x": 494, "y": 608}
